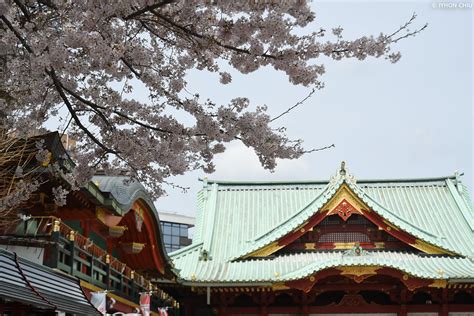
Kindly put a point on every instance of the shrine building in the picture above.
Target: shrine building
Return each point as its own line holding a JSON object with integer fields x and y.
{"x": 105, "y": 237}
{"x": 338, "y": 247}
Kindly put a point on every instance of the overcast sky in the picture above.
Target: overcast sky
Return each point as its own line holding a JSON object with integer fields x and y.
{"x": 405, "y": 120}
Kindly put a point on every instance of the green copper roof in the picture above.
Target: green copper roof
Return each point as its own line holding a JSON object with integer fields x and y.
{"x": 235, "y": 219}
{"x": 297, "y": 266}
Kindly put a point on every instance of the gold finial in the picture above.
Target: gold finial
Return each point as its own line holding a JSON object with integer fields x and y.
{"x": 56, "y": 225}
{"x": 72, "y": 235}
{"x": 107, "y": 258}
{"x": 132, "y": 274}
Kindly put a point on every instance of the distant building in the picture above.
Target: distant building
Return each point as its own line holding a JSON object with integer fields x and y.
{"x": 176, "y": 230}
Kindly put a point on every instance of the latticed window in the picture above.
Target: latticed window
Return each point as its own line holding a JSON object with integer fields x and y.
{"x": 334, "y": 231}
{"x": 344, "y": 237}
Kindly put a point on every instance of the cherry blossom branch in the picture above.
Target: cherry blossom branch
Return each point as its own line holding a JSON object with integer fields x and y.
{"x": 98, "y": 108}
{"x": 95, "y": 108}
{"x": 17, "y": 34}
{"x": 23, "y": 9}
{"x": 48, "y": 3}
{"x": 405, "y": 26}
{"x": 200, "y": 36}
{"x": 77, "y": 120}
{"x": 147, "y": 9}
{"x": 294, "y": 106}
{"x": 177, "y": 186}
{"x": 56, "y": 43}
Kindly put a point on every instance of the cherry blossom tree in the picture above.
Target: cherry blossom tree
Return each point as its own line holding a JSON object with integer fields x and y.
{"x": 67, "y": 58}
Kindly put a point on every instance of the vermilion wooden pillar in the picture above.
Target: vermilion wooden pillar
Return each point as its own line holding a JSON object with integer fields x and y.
{"x": 263, "y": 304}
{"x": 222, "y": 311}
{"x": 403, "y": 305}
{"x": 443, "y": 308}
{"x": 304, "y": 304}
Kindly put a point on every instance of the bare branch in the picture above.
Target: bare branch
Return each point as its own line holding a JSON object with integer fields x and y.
{"x": 319, "y": 149}
{"x": 294, "y": 106}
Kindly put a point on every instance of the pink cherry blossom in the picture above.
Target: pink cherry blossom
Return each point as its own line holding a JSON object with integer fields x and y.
{"x": 67, "y": 58}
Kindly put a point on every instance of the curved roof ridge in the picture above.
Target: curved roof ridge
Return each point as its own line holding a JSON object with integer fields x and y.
{"x": 124, "y": 193}
{"x": 296, "y": 182}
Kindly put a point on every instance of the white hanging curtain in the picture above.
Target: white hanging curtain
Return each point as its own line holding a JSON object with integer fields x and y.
{"x": 99, "y": 301}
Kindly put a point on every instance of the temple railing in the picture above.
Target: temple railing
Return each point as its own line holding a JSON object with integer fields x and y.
{"x": 77, "y": 255}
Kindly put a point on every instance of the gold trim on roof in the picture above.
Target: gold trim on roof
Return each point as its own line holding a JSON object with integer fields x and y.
{"x": 344, "y": 193}
{"x": 265, "y": 251}
{"x": 439, "y": 284}
{"x": 430, "y": 249}
{"x": 280, "y": 286}
{"x": 358, "y": 270}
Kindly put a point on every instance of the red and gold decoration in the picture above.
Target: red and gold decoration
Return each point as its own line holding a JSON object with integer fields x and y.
{"x": 132, "y": 247}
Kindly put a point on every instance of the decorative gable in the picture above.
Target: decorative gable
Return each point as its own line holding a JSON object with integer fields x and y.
{"x": 345, "y": 200}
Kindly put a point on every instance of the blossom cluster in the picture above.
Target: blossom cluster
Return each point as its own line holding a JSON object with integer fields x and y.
{"x": 69, "y": 55}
